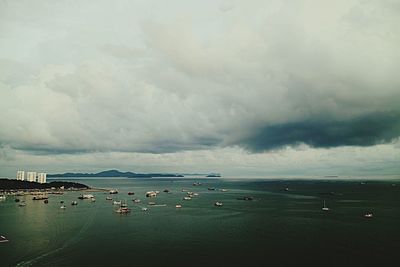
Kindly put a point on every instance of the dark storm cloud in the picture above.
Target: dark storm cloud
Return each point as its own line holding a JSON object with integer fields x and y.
{"x": 367, "y": 130}
{"x": 95, "y": 76}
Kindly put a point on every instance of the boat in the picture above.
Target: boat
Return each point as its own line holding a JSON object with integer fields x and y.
{"x": 46, "y": 201}
{"x": 178, "y": 206}
{"x": 368, "y": 215}
{"x": 86, "y": 196}
{"x": 63, "y": 207}
{"x": 145, "y": 209}
{"x": 211, "y": 188}
{"x": 115, "y": 202}
{"x": 39, "y": 198}
{"x": 136, "y": 200}
{"x": 166, "y": 191}
{"x": 224, "y": 190}
{"x": 151, "y": 194}
{"x": 3, "y": 239}
{"x": 3, "y": 197}
{"x": 17, "y": 200}
{"x": 152, "y": 203}
{"x": 325, "y": 208}
{"x": 218, "y": 204}
{"x": 108, "y": 198}
{"x": 22, "y": 204}
{"x": 131, "y": 193}
{"x": 113, "y": 191}
{"x": 93, "y": 199}
{"x": 123, "y": 210}
{"x": 62, "y": 201}
{"x": 187, "y": 198}
{"x": 74, "y": 203}
{"x": 196, "y": 183}
{"x": 247, "y": 198}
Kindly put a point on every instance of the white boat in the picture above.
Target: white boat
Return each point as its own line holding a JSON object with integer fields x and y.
{"x": 93, "y": 199}
{"x": 178, "y": 206}
{"x": 116, "y": 202}
{"x": 63, "y": 207}
{"x": 108, "y": 198}
{"x": 325, "y": 208}
{"x": 3, "y": 197}
{"x": 22, "y": 204}
{"x": 368, "y": 215}
{"x": 218, "y": 204}
{"x": 224, "y": 190}
{"x": 151, "y": 193}
{"x": 86, "y": 196}
{"x": 113, "y": 191}
{"x": 136, "y": 200}
{"x": 145, "y": 209}
{"x": 123, "y": 210}
{"x": 74, "y": 203}
{"x": 3, "y": 239}
{"x": 187, "y": 198}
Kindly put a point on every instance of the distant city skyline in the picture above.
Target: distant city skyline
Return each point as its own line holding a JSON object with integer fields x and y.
{"x": 243, "y": 88}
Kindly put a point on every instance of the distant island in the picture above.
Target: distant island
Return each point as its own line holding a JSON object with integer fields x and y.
{"x": 213, "y": 175}
{"x": 11, "y": 184}
{"x": 114, "y": 173}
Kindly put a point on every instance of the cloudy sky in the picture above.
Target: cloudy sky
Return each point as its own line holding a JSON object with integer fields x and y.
{"x": 246, "y": 88}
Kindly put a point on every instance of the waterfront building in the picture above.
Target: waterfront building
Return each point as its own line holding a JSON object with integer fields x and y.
{"x": 21, "y": 175}
{"x": 31, "y": 176}
{"x": 41, "y": 177}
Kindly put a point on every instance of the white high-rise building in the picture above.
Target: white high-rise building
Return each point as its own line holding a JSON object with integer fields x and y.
{"x": 20, "y": 175}
{"x": 41, "y": 177}
{"x": 31, "y": 176}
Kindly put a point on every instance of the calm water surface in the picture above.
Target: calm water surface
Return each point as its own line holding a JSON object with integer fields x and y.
{"x": 277, "y": 228}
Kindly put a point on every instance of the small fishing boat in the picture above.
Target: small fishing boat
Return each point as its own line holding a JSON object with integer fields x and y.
{"x": 113, "y": 191}
{"x": 151, "y": 194}
{"x": 115, "y": 202}
{"x": 187, "y": 198}
{"x": 39, "y": 198}
{"x": 152, "y": 203}
{"x": 86, "y": 196}
{"x": 211, "y": 188}
{"x": 62, "y": 201}
{"x": 46, "y": 201}
{"x": 3, "y": 197}
{"x": 166, "y": 191}
{"x": 325, "y": 208}
{"x": 196, "y": 183}
{"x": 63, "y": 207}
{"x": 136, "y": 200}
{"x": 218, "y": 204}
{"x": 123, "y": 210}
{"x": 368, "y": 215}
{"x": 178, "y": 206}
{"x": 17, "y": 200}
{"x": 3, "y": 239}
{"x": 93, "y": 199}
{"x": 145, "y": 209}
{"x": 22, "y": 204}
{"x": 224, "y": 190}
{"x": 108, "y": 198}
{"x": 74, "y": 203}
{"x": 131, "y": 193}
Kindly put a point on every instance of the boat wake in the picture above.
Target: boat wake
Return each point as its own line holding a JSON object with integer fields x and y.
{"x": 75, "y": 239}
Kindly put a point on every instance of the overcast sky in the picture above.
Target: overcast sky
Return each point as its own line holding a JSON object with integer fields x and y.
{"x": 245, "y": 88}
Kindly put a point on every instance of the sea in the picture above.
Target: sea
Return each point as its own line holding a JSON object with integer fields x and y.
{"x": 283, "y": 224}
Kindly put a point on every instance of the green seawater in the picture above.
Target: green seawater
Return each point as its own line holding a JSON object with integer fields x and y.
{"x": 277, "y": 228}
